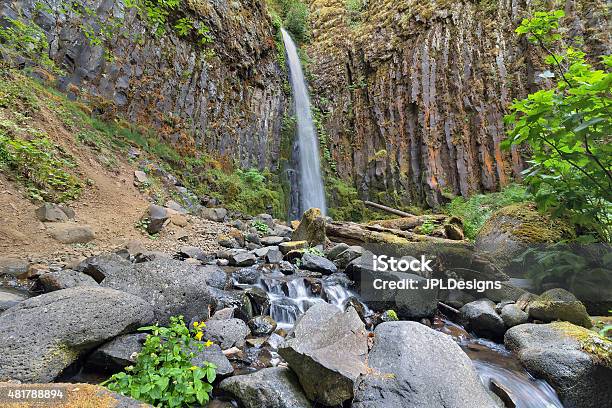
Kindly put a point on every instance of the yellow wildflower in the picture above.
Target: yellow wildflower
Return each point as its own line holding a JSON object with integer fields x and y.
{"x": 208, "y": 343}
{"x": 199, "y": 335}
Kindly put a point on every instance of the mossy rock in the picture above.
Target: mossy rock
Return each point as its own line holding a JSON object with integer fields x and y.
{"x": 559, "y": 304}
{"x": 512, "y": 229}
{"x": 311, "y": 228}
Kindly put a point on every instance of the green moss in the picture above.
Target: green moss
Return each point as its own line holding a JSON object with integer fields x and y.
{"x": 597, "y": 346}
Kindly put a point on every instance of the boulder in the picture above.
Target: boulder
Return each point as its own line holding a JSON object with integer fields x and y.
{"x": 54, "y": 213}
{"x": 214, "y": 276}
{"x": 271, "y": 388}
{"x": 559, "y": 304}
{"x": 65, "y": 279}
{"x": 175, "y": 207}
{"x": 413, "y": 366}
{"x": 71, "y": 233}
{"x": 9, "y": 299}
{"x": 214, "y": 214}
{"x": 118, "y": 353}
{"x": 43, "y": 335}
{"x": 247, "y": 276}
{"x": 480, "y": 316}
{"x": 171, "y": 287}
{"x": 13, "y": 266}
{"x": 286, "y": 247}
{"x": 318, "y": 263}
{"x": 262, "y": 325}
{"x": 507, "y": 292}
{"x": 158, "y": 216}
{"x": 265, "y": 219}
{"x": 271, "y": 241}
{"x": 274, "y": 256}
{"x": 192, "y": 252}
{"x": 349, "y": 254}
{"x": 327, "y": 352}
{"x": 334, "y": 251}
{"x": 575, "y": 361}
{"x": 213, "y": 354}
{"x": 101, "y": 265}
{"x": 227, "y": 333}
{"x": 311, "y": 228}
{"x": 512, "y": 315}
{"x": 242, "y": 259}
{"x": 512, "y": 229}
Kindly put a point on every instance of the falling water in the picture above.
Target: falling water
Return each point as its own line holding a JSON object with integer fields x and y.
{"x": 310, "y": 180}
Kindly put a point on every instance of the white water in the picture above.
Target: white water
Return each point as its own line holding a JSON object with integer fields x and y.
{"x": 311, "y": 190}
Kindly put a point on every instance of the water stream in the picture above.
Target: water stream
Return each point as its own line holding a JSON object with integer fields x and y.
{"x": 310, "y": 183}
{"x": 291, "y": 296}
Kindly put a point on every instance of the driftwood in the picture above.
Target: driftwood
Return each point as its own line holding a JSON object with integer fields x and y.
{"x": 387, "y": 209}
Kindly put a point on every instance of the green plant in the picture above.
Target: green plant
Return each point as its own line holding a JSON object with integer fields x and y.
{"x": 260, "y": 226}
{"x": 296, "y": 21}
{"x": 164, "y": 374}
{"x": 391, "y": 314}
{"x": 27, "y": 39}
{"x": 476, "y": 210}
{"x": 567, "y": 128}
{"x": 311, "y": 250}
{"x": 427, "y": 227}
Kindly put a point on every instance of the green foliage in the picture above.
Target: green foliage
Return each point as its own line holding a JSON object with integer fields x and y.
{"x": 427, "y": 227}
{"x": 477, "y": 209}
{"x": 343, "y": 200}
{"x": 391, "y": 314}
{"x": 27, "y": 39}
{"x": 311, "y": 250}
{"x": 261, "y": 226}
{"x": 294, "y": 15}
{"x": 568, "y": 129}
{"x": 164, "y": 374}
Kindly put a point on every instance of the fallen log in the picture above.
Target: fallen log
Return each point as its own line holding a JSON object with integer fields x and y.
{"x": 388, "y": 209}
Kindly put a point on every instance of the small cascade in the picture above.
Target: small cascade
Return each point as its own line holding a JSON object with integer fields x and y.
{"x": 310, "y": 182}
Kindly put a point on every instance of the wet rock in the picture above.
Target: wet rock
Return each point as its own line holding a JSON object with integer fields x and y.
{"x": 512, "y": 315}
{"x": 556, "y": 353}
{"x": 213, "y": 354}
{"x": 318, "y": 263}
{"x": 286, "y": 268}
{"x": 559, "y": 304}
{"x": 274, "y": 256}
{"x": 271, "y": 388}
{"x": 54, "y": 213}
{"x": 481, "y": 317}
{"x": 214, "y": 214}
{"x": 262, "y": 325}
{"x": 327, "y": 352}
{"x": 271, "y": 240}
{"x": 158, "y": 216}
{"x": 410, "y": 365}
{"x": 223, "y": 314}
{"x": 118, "y": 353}
{"x": 65, "y": 279}
{"x": 70, "y": 233}
{"x": 349, "y": 254}
{"x": 332, "y": 252}
{"x": 171, "y": 287}
{"x": 248, "y": 276}
{"x": 242, "y": 259}
{"x": 9, "y": 299}
{"x": 13, "y": 266}
{"x": 227, "y": 333}
{"x": 215, "y": 277}
{"x": 73, "y": 321}
{"x": 311, "y": 228}
{"x": 286, "y": 247}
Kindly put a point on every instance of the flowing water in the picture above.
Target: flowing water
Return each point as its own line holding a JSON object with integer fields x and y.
{"x": 310, "y": 183}
{"x": 291, "y": 296}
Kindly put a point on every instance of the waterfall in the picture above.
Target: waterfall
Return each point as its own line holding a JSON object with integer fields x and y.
{"x": 310, "y": 184}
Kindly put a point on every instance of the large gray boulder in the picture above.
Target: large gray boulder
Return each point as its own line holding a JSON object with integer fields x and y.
{"x": 271, "y": 388}
{"x": 65, "y": 279}
{"x": 559, "y": 304}
{"x": 327, "y": 352}
{"x": 480, "y": 316}
{"x": 512, "y": 315}
{"x": 171, "y": 287}
{"x": 557, "y": 353}
{"x": 118, "y": 353}
{"x": 43, "y": 335}
{"x": 227, "y": 333}
{"x": 213, "y": 354}
{"x": 214, "y": 214}
{"x": 318, "y": 263}
{"x": 413, "y": 366}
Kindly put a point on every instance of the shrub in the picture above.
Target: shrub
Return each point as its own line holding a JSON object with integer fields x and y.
{"x": 260, "y": 226}
{"x": 296, "y": 21}
{"x": 164, "y": 375}
{"x": 567, "y": 128}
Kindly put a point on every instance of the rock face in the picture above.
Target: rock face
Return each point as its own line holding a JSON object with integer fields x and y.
{"x": 414, "y": 93}
{"x": 556, "y": 352}
{"x": 43, "y": 335}
{"x": 231, "y": 101}
{"x": 171, "y": 287}
{"x": 481, "y": 317}
{"x": 559, "y": 304}
{"x": 327, "y": 352}
{"x": 271, "y": 388}
{"x": 410, "y": 369}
